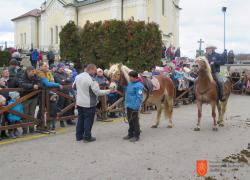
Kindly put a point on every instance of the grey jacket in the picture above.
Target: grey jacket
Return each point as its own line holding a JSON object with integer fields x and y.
{"x": 87, "y": 90}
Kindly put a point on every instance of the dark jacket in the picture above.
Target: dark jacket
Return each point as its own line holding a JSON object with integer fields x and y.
{"x": 51, "y": 56}
{"x": 62, "y": 78}
{"x": 28, "y": 84}
{"x": 16, "y": 75}
{"x": 217, "y": 59}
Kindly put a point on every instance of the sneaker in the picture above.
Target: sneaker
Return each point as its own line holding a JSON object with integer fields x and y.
{"x": 134, "y": 139}
{"x": 87, "y": 140}
{"x": 127, "y": 137}
{"x": 11, "y": 135}
{"x": 62, "y": 124}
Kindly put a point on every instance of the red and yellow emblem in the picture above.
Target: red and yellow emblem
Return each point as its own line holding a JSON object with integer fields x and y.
{"x": 201, "y": 167}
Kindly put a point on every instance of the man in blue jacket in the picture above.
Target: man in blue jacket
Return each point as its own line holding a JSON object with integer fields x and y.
{"x": 34, "y": 58}
{"x": 133, "y": 100}
{"x": 216, "y": 60}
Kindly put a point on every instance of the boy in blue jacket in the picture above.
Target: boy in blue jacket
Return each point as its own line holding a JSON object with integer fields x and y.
{"x": 133, "y": 100}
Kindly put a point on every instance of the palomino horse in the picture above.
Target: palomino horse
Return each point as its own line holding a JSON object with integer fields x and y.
{"x": 162, "y": 98}
{"x": 206, "y": 92}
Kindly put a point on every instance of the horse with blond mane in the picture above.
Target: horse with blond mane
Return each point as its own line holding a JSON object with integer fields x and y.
{"x": 163, "y": 98}
{"x": 206, "y": 92}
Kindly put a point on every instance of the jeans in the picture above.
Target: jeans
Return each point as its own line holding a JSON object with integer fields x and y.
{"x": 34, "y": 63}
{"x": 134, "y": 126}
{"x": 220, "y": 84}
{"x": 85, "y": 122}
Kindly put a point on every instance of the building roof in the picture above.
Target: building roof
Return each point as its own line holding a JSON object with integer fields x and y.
{"x": 33, "y": 13}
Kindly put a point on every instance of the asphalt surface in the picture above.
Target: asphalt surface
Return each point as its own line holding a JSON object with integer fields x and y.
{"x": 161, "y": 154}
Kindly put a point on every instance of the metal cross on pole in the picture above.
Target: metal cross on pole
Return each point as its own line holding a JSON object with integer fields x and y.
{"x": 200, "y": 44}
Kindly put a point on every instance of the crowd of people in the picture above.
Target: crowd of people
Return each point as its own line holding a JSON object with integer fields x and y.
{"x": 86, "y": 87}
{"x": 30, "y": 79}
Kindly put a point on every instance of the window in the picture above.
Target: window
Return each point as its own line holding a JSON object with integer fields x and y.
{"x": 163, "y": 7}
{"x": 57, "y": 34}
{"x": 51, "y": 35}
{"x": 24, "y": 38}
{"x": 21, "y": 39}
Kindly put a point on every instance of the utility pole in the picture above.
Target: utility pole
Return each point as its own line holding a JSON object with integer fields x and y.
{"x": 200, "y": 44}
{"x": 122, "y": 9}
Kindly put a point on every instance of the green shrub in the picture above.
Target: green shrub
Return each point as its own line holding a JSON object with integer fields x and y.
{"x": 4, "y": 58}
{"x": 135, "y": 44}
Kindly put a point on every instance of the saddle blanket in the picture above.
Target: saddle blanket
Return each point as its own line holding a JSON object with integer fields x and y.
{"x": 156, "y": 84}
{"x": 151, "y": 84}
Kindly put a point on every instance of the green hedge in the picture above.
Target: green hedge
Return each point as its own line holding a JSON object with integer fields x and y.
{"x": 136, "y": 44}
{"x": 4, "y": 58}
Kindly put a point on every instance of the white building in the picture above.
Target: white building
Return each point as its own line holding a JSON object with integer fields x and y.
{"x": 40, "y": 28}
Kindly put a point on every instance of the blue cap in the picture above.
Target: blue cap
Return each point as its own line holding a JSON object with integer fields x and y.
{"x": 60, "y": 65}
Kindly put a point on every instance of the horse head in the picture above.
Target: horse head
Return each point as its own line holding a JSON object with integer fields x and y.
{"x": 118, "y": 73}
{"x": 203, "y": 66}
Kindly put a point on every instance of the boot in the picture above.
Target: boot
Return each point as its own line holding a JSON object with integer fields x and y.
{"x": 31, "y": 130}
{"x": 70, "y": 122}
{"x": 128, "y": 137}
{"x": 62, "y": 124}
{"x": 11, "y": 134}
{"x": 4, "y": 135}
{"x": 25, "y": 131}
{"x": 17, "y": 133}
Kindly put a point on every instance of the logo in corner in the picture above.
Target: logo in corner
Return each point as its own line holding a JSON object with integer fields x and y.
{"x": 201, "y": 167}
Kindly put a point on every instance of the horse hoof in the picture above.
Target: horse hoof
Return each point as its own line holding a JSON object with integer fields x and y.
{"x": 221, "y": 125}
{"x": 197, "y": 129}
{"x": 215, "y": 129}
{"x": 170, "y": 126}
{"x": 154, "y": 126}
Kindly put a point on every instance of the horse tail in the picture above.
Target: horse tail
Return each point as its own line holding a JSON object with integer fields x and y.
{"x": 170, "y": 95}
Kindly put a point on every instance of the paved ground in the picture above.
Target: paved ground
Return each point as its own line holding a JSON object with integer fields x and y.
{"x": 161, "y": 154}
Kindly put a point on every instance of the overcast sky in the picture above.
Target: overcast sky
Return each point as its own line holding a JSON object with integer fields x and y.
{"x": 199, "y": 19}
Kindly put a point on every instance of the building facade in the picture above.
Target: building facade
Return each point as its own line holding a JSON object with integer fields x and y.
{"x": 40, "y": 28}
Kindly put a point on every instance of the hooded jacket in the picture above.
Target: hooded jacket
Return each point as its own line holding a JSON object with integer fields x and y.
{"x": 134, "y": 95}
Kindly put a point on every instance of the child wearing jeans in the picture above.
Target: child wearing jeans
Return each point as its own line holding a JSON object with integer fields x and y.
{"x": 12, "y": 118}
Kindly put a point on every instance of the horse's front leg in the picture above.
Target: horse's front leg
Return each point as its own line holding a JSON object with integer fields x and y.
{"x": 199, "y": 106}
{"x": 213, "y": 104}
{"x": 158, "y": 116}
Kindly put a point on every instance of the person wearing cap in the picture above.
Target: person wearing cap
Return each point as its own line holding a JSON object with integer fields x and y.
{"x": 88, "y": 91}
{"x": 74, "y": 72}
{"x": 133, "y": 101}
{"x": 62, "y": 77}
{"x": 216, "y": 60}
{"x": 30, "y": 82}
{"x": 15, "y": 73}
{"x": 100, "y": 78}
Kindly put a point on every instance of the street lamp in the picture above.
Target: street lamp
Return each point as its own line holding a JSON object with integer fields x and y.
{"x": 224, "y": 10}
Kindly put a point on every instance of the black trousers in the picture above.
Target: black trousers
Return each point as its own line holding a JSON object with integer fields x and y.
{"x": 134, "y": 126}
